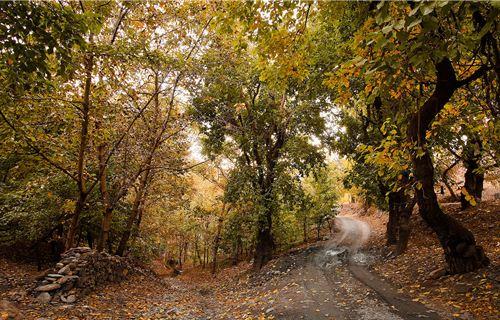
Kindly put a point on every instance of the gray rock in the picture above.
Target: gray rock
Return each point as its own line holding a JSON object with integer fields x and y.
{"x": 55, "y": 275}
{"x": 270, "y": 310}
{"x": 71, "y": 298}
{"x": 173, "y": 310}
{"x": 48, "y": 287}
{"x": 64, "y": 270}
{"x": 436, "y": 274}
{"x": 64, "y": 279}
{"x": 44, "y": 297}
{"x": 59, "y": 265}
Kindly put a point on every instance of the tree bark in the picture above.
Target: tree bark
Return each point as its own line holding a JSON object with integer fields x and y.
{"x": 460, "y": 249}
{"x": 108, "y": 209}
{"x": 318, "y": 228}
{"x": 474, "y": 180}
{"x": 304, "y": 227}
{"x": 217, "y": 241}
{"x": 446, "y": 181}
{"x": 265, "y": 243}
{"x": 404, "y": 224}
{"x": 133, "y": 214}
{"x": 84, "y": 132}
{"x": 393, "y": 222}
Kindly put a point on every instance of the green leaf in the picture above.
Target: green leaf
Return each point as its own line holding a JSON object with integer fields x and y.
{"x": 387, "y": 29}
{"x": 413, "y": 23}
{"x": 402, "y": 36}
{"x": 427, "y": 8}
{"x": 399, "y": 25}
{"x": 414, "y": 10}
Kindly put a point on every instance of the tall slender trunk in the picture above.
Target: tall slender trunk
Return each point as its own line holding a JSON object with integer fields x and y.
{"x": 318, "y": 228}
{"x": 446, "y": 181}
{"x": 108, "y": 209}
{"x": 217, "y": 240}
{"x": 134, "y": 213}
{"x": 460, "y": 249}
{"x": 474, "y": 179}
{"x": 236, "y": 250}
{"x": 304, "y": 227}
{"x": 84, "y": 133}
{"x": 197, "y": 256}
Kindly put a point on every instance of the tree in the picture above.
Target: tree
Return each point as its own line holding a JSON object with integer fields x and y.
{"x": 407, "y": 43}
{"x": 257, "y": 111}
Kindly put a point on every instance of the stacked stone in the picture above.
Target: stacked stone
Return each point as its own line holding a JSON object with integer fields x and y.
{"x": 80, "y": 271}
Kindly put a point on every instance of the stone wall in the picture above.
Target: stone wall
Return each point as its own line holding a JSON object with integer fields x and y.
{"x": 79, "y": 272}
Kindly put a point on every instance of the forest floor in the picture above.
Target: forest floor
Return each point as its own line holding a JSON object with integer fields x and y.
{"x": 315, "y": 281}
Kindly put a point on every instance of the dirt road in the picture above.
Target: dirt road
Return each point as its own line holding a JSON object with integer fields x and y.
{"x": 333, "y": 281}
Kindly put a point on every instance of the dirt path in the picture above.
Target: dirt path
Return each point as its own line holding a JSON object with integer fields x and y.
{"x": 332, "y": 281}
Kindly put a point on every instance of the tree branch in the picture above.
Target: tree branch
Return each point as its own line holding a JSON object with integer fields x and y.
{"x": 476, "y": 75}
{"x": 37, "y": 150}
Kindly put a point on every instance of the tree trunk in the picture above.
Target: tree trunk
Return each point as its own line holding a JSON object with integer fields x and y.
{"x": 447, "y": 183}
{"x": 473, "y": 185}
{"x": 393, "y": 222}
{"x": 304, "y": 228}
{"x": 236, "y": 251}
{"x": 404, "y": 224}
{"x": 217, "y": 241}
{"x": 265, "y": 242}
{"x": 180, "y": 254}
{"x": 84, "y": 132}
{"x": 318, "y": 229}
{"x": 108, "y": 210}
{"x": 197, "y": 251}
{"x": 80, "y": 204}
{"x": 133, "y": 214}
{"x": 460, "y": 249}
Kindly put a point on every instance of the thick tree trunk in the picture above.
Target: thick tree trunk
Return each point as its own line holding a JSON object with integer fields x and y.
{"x": 460, "y": 249}
{"x": 473, "y": 185}
{"x": 393, "y": 222}
{"x": 265, "y": 245}
{"x": 404, "y": 224}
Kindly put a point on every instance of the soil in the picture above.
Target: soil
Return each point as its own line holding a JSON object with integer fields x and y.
{"x": 335, "y": 279}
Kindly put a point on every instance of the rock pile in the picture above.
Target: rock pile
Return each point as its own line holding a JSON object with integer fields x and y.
{"x": 78, "y": 273}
